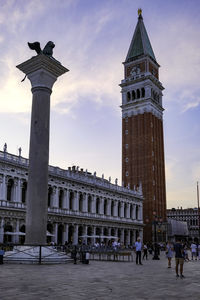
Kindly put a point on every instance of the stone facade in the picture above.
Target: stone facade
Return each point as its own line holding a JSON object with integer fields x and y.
{"x": 80, "y": 205}
{"x": 189, "y": 215}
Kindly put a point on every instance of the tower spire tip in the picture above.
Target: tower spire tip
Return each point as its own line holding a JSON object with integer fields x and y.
{"x": 139, "y": 12}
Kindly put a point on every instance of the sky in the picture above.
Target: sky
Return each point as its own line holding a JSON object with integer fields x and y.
{"x": 92, "y": 38}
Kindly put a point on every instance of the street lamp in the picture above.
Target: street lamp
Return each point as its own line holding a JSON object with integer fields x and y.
{"x": 155, "y": 222}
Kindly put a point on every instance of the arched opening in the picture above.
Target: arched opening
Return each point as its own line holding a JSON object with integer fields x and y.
{"x": 125, "y": 237}
{"x": 136, "y": 212}
{"x": 89, "y": 232}
{"x": 97, "y": 206}
{"x": 98, "y": 232}
{"x": 112, "y": 208}
{"x": 80, "y": 233}
{"x": 71, "y": 198}
{"x": 112, "y": 232}
{"x": 138, "y": 93}
{"x": 81, "y": 202}
{"x": 119, "y": 235}
{"x": 131, "y": 211}
{"x": 105, "y": 233}
{"x": 60, "y": 234}
{"x": 49, "y": 233}
{"x": 70, "y": 234}
{"x": 89, "y": 203}
{"x": 22, "y": 237}
{"x": 24, "y": 190}
{"x": 105, "y": 207}
{"x": 128, "y": 96}
{"x": 143, "y": 92}
{"x": 50, "y": 191}
{"x": 10, "y": 189}
{"x": 8, "y": 234}
{"x": 119, "y": 209}
{"x": 131, "y": 238}
{"x": 60, "y": 198}
{"x": 133, "y": 95}
{"x": 125, "y": 210}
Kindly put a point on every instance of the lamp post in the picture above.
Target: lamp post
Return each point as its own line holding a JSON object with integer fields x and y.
{"x": 155, "y": 222}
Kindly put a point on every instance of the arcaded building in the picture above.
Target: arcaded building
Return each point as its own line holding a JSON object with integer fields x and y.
{"x": 142, "y": 129}
{"x": 80, "y": 205}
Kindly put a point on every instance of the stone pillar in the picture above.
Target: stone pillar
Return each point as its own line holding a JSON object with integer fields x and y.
{"x": 115, "y": 209}
{"x": 108, "y": 207}
{"x": 75, "y": 236}
{"x": 55, "y": 196}
{"x": 1, "y": 186}
{"x": 2, "y": 230}
{"x": 94, "y": 198}
{"x": 15, "y": 194}
{"x": 42, "y": 71}
{"x": 17, "y": 230}
{"x": 55, "y": 232}
{"x": 101, "y": 205}
{"x": 122, "y": 210}
{"x": 19, "y": 191}
{"x": 122, "y": 237}
{"x": 66, "y": 199}
{"x": 66, "y": 233}
{"x": 85, "y": 233}
{"x": 128, "y": 211}
{"x": 128, "y": 238}
{"x": 85, "y": 202}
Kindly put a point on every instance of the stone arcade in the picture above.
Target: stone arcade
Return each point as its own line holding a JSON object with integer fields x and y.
{"x": 79, "y": 204}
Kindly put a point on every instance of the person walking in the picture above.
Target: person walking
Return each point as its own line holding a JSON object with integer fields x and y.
{"x": 179, "y": 257}
{"x": 138, "y": 249}
{"x": 193, "y": 248}
{"x": 169, "y": 253}
{"x": 145, "y": 251}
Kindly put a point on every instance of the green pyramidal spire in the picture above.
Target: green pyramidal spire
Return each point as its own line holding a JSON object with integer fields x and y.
{"x": 140, "y": 44}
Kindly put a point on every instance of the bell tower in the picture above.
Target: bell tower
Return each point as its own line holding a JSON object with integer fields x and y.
{"x": 142, "y": 128}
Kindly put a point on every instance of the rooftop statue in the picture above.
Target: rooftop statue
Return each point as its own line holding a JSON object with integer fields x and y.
{"x": 48, "y": 49}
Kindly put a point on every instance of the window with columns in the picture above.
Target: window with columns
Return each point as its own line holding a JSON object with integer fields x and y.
{"x": 112, "y": 208}
{"x": 10, "y": 189}
{"x": 71, "y": 198}
{"x": 97, "y": 206}
{"x": 60, "y": 198}
{"x": 89, "y": 203}
{"x": 119, "y": 207}
{"x": 80, "y": 202}
{"x": 105, "y": 206}
{"x": 24, "y": 190}
{"x": 50, "y": 192}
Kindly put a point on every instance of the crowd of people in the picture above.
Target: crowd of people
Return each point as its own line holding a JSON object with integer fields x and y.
{"x": 180, "y": 250}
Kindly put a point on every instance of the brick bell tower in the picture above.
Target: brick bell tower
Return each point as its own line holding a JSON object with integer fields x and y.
{"x": 142, "y": 131}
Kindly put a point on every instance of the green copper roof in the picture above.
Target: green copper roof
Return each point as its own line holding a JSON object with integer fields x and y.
{"x": 140, "y": 44}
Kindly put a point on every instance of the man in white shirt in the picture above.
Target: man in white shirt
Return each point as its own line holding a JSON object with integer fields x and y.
{"x": 194, "y": 250}
{"x": 138, "y": 249}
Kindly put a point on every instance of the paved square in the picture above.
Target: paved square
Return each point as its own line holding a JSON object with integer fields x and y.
{"x": 100, "y": 280}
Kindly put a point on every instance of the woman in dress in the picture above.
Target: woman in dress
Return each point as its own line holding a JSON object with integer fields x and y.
{"x": 169, "y": 253}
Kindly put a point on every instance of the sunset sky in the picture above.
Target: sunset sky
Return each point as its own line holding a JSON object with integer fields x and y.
{"x": 92, "y": 38}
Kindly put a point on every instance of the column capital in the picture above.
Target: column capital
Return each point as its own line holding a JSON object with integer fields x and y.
{"x": 42, "y": 70}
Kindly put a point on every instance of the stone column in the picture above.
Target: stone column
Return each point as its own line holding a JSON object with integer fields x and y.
{"x": 108, "y": 207}
{"x": 19, "y": 191}
{"x": 55, "y": 232}
{"x": 2, "y": 230}
{"x": 115, "y": 209}
{"x": 85, "y": 202}
{"x": 42, "y": 71}
{"x": 94, "y": 198}
{"x": 101, "y": 205}
{"x": 55, "y": 196}
{"x": 66, "y": 199}
{"x": 66, "y": 233}
{"x": 128, "y": 211}
{"x": 122, "y": 210}
{"x": 122, "y": 237}
{"x": 17, "y": 230}
{"x": 75, "y": 236}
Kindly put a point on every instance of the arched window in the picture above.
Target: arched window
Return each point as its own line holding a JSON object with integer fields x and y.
{"x": 125, "y": 210}
{"x": 143, "y": 92}
{"x": 60, "y": 199}
{"x": 133, "y": 95}
{"x": 24, "y": 190}
{"x": 112, "y": 208}
{"x": 71, "y": 198}
{"x": 97, "y": 206}
{"x": 131, "y": 211}
{"x": 119, "y": 209}
{"x": 10, "y": 187}
{"x": 138, "y": 93}
{"x": 105, "y": 207}
{"x": 50, "y": 191}
{"x": 81, "y": 202}
{"x": 89, "y": 204}
{"x": 136, "y": 212}
{"x": 128, "y": 96}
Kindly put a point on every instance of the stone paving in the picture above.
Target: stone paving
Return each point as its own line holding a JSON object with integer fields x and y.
{"x": 99, "y": 281}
